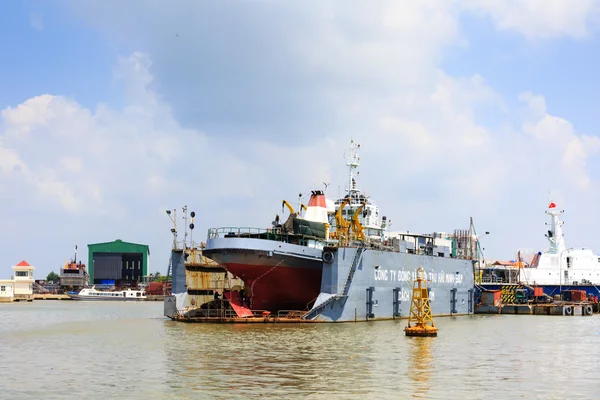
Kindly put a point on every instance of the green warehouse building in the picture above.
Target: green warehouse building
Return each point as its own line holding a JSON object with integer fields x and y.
{"x": 117, "y": 263}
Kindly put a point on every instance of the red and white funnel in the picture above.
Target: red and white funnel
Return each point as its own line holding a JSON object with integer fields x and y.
{"x": 317, "y": 207}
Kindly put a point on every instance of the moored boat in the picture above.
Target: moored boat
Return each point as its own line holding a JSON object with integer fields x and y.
{"x": 91, "y": 294}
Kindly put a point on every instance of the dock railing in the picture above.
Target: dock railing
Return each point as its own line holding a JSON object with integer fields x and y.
{"x": 274, "y": 234}
{"x": 215, "y": 233}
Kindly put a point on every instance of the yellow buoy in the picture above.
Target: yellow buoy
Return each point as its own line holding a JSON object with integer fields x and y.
{"x": 420, "y": 310}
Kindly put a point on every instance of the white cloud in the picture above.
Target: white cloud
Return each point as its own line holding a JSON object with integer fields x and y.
{"x": 241, "y": 109}
{"x": 280, "y": 67}
{"x": 540, "y": 18}
{"x": 9, "y": 160}
{"x": 557, "y": 142}
{"x": 109, "y": 168}
{"x": 74, "y": 164}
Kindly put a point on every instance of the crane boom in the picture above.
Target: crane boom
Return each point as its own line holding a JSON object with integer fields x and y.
{"x": 289, "y": 206}
{"x": 342, "y": 225}
{"x": 359, "y": 233}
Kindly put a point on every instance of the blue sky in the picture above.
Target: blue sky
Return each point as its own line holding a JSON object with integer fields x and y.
{"x": 112, "y": 112}
{"x": 62, "y": 56}
{"x": 560, "y": 68}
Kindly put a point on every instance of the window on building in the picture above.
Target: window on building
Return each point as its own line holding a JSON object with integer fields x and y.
{"x": 2, "y": 288}
{"x": 21, "y": 273}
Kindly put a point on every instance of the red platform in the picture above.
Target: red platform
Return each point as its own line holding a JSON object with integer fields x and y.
{"x": 236, "y": 304}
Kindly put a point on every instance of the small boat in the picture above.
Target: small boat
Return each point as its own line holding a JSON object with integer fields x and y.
{"x": 101, "y": 295}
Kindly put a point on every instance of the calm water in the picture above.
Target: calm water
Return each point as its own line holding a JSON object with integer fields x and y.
{"x": 85, "y": 350}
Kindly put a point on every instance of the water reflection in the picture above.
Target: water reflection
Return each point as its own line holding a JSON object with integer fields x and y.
{"x": 96, "y": 350}
{"x": 271, "y": 360}
{"x": 421, "y": 365}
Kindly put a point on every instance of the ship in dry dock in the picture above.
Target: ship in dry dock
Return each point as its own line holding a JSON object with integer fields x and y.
{"x": 336, "y": 262}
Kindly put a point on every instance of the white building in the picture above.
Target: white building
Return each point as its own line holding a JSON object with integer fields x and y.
{"x": 23, "y": 281}
{"x": 6, "y": 290}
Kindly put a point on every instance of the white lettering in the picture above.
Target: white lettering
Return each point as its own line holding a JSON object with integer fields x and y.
{"x": 381, "y": 275}
{"x": 410, "y": 276}
{"x": 404, "y": 295}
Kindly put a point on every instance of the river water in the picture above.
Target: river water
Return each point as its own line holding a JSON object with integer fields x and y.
{"x": 88, "y": 350}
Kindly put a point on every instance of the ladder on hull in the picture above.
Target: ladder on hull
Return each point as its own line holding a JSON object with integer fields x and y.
{"x": 355, "y": 262}
{"x": 315, "y": 311}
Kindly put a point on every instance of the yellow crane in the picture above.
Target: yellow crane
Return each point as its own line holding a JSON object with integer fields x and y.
{"x": 289, "y": 206}
{"x": 342, "y": 226}
{"x": 355, "y": 224}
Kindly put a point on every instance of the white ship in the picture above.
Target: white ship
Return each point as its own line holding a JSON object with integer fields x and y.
{"x": 559, "y": 265}
{"x": 556, "y": 269}
{"x": 101, "y": 295}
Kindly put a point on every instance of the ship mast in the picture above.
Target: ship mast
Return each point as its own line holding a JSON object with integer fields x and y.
{"x": 555, "y": 234}
{"x": 352, "y": 161}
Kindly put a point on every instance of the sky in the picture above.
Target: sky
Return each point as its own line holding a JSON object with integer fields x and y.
{"x": 113, "y": 112}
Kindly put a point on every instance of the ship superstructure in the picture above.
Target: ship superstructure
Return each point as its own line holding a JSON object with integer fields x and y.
{"x": 74, "y": 275}
{"x": 356, "y": 203}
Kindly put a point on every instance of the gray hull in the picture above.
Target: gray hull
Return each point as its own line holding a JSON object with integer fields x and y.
{"x": 381, "y": 285}
{"x": 355, "y": 284}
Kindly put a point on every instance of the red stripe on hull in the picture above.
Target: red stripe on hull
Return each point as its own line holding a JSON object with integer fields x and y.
{"x": 278, "y": 288}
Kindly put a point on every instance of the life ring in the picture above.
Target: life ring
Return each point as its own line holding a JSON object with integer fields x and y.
{"x": 588, "y": 310}
{"x": 193, "y": 302}
{"x": 568, "y": 310}
{"x": 327, "y": 257}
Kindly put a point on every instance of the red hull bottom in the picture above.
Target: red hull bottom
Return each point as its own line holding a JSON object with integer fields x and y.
{"x": 278, "y": 288}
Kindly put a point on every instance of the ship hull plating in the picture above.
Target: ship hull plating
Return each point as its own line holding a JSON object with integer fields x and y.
{"x": 278, "y": 276}
{"x": 277, "y": 287}
{"x": 381, "y": 285}
{"x": 375, "y": 285}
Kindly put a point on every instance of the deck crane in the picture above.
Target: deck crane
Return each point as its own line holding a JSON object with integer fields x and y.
{"x": 355, "y": 224}
{"x": 342, "y": 226}
{"x": 284, "y": 203}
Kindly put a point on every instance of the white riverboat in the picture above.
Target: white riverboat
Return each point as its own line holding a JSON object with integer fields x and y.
{"x": 101, "y": 295}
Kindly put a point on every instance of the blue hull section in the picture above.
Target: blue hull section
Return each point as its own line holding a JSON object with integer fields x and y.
{"x": 550, "y": 290}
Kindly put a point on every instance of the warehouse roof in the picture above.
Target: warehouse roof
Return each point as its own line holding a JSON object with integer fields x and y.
{"x": 119, "y": 246}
